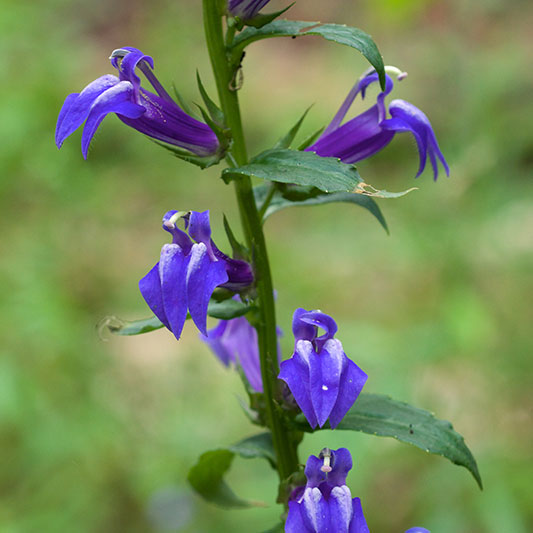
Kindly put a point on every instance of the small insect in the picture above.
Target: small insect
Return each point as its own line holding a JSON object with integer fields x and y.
{"x": 411, "y": 430}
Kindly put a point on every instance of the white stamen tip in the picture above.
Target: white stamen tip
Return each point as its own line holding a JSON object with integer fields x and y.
{"x": 325, "y": 387}
{"x": 326, "y": 454}
{"x": 395, "y": 71}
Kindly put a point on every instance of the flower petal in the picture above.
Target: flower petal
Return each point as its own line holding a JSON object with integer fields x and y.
{"x": 246, "y": 349}
{"x": 246, "y": 9}
{"x": 116, "y": 99}
{"x": 203, "y": 276}
{"x": 150, "y": 287}
{"x": 127, "y": 66}
{"x": 199, "y": 227}
{"x": 215, "y": 339}
{"x": 341, "y": 465}
{"x": 323, "y": 321}
{"x": 78, "y": 105}
{"x": 361, "y": 86}
{"x": 315, "y": 511}
{"x": 302, "y": 330}
{"x": 178, "y": 236}
{"x": 408, "y": 118}
{"x": 358, "y": 139}
{"x": 358, "y": 524}
{"x": 240, "y": 273}
{"x": 341, "y": 509}
{"x": 325, "y": 371}
{"x": 313, "y": 471}
{"x": 172, "y": 271}
{"x": 167, "y": 122}
{"x": 351, "y": 384}
{"x": 295, "y": 372}
{"x": 295, "y": 523}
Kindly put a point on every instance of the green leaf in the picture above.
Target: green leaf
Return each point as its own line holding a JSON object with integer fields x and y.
{"x": 238, "y": 250}
{"x": 214, "y": 111}
{"x": 207, "y": 479}
{"x": 341, "y": 34}
{"x": 183, "y": 103}
{"x": 200, "y": 161}
{"x": 380, "y": 415}
{"x": 328, "y": 174}
{"x": 286, "y": 141}
{"x": 279, "y": 201}
{"x": 264, "y": 18}
{"x": 308, "y": 141}
{"x": 134, "y": 327}
{"x": 227, "y": 309}
{"x": 257, "y": 446}
{"x": 207, "y": 475}
{"x": 224, "y": 310}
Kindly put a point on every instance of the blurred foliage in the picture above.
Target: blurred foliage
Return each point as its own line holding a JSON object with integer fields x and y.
{"x": 97, "y": 434}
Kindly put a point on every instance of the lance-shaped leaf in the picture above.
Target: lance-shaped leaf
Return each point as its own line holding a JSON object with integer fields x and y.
{"x": 223, "y": 310}
{"x": 312, "y": 196}
{"x": 133, "y": 327}
{"x": 262, "y": 18}
{"x": 286, "y": 140}
{"x": 328, "y": 174}
{"x": 215, "y": 113}
{"x": 380, "y": 415}
{"x": 207, "y": 475}
{"x": 227, "y": 309}
{"x": 338, "y": 33}
{"x": 200, "y": 161}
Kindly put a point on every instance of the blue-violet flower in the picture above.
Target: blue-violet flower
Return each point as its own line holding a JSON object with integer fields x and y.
{"x": 246, "y": 9}
{"x": 235, "y": 342}
{"x": 323, "y": 381}
{"x": 188, "y": 272}
{"x": 369, "y": 132}
{"x": 326, "y": 504}
{"x": 155, "y": 115}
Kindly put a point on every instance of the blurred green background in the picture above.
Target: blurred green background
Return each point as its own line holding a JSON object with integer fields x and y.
{"x": 97, "y": 435}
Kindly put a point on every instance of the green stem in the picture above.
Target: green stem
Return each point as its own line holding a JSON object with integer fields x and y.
{"x": 284, "y": 442}
{"x": 267, "y": 200}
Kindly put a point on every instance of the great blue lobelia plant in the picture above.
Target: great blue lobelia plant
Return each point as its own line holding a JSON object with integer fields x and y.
{"x": 319, "y": 386}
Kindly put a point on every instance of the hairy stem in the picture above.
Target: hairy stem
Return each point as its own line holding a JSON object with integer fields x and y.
{"x": 284, "y": 444}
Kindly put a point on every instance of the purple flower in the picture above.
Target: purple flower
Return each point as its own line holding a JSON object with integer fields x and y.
{"x": 325, "y": 503}
{"x": 188, "y": 272}
{"x": 323, "y": 381}
{"x": 235, "y": 342}
{"x": 418, "y": 530}
{"x": 155, "y": 115}
{"x": 369, "y": 132}
{"x": 246, "y": 9}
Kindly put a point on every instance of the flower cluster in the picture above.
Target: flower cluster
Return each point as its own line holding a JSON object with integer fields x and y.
{"x": 371, "y": 131}
{"x": 155, "y": 115}
{"x": 325, "y": 503}
{"x": 323, "y": 381}
{"x": 188, "y": 272}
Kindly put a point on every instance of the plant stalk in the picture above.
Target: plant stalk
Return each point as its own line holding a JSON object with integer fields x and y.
{"x": 284, "y": 443}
